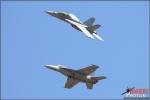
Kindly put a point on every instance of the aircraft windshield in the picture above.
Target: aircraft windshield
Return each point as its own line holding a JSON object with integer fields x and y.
{"x": 62, "y": 66}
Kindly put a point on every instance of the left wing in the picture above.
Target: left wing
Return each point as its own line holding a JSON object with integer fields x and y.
{"x": 70, "y": 83}
{"x": 88, "y": 70}
{"x": 82, "y": 28}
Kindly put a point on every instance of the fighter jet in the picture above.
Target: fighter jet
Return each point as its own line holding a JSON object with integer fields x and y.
{"x": 85, "y": 75}
{"x": 87, "y": 27}
{"x": 128, "y": 90}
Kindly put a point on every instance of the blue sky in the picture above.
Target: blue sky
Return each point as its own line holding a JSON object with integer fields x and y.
{"x": 31, "y": 39}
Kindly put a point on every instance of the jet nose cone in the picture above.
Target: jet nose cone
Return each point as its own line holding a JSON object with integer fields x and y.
{"x": 53, "y": 67}
{"x": 50, "y": 12}
{"x": 47, "y": 66}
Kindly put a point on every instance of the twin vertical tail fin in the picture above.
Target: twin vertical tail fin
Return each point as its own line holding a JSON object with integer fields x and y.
{"x": 92, "y": 28}
{"x": 90, "y": 21}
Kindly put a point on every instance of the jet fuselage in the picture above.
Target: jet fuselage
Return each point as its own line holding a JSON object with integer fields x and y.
{"x": 74, "y": 74}
{"x": 77, "y": 75}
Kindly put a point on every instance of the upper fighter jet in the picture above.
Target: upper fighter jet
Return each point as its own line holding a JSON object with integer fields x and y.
{"x": 87, "y": 27}
{"x": 75, "y": 76}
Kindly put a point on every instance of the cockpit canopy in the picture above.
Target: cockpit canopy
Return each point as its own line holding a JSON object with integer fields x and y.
{"x": 74, "y": 17}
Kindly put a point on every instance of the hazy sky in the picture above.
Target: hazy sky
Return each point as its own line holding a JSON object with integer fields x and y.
{"x": 31, "y": 39}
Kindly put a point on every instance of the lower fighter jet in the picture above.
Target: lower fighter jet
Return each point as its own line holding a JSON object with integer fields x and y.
{"x": 75, "y": 76}
{"x": 87, "y": 27}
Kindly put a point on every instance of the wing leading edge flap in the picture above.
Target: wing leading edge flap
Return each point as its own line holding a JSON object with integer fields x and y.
{"x": 70, "y": 83}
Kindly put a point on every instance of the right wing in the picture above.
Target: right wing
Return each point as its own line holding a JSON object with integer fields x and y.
{"x": 88, "y": 70}
{"x": 82, "y": 28}
{"x": 70, "y": 83}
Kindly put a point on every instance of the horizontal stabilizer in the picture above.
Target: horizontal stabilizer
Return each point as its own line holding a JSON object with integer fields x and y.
{"x": 99, "y": 78}
{"x": 95, "y": 27}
